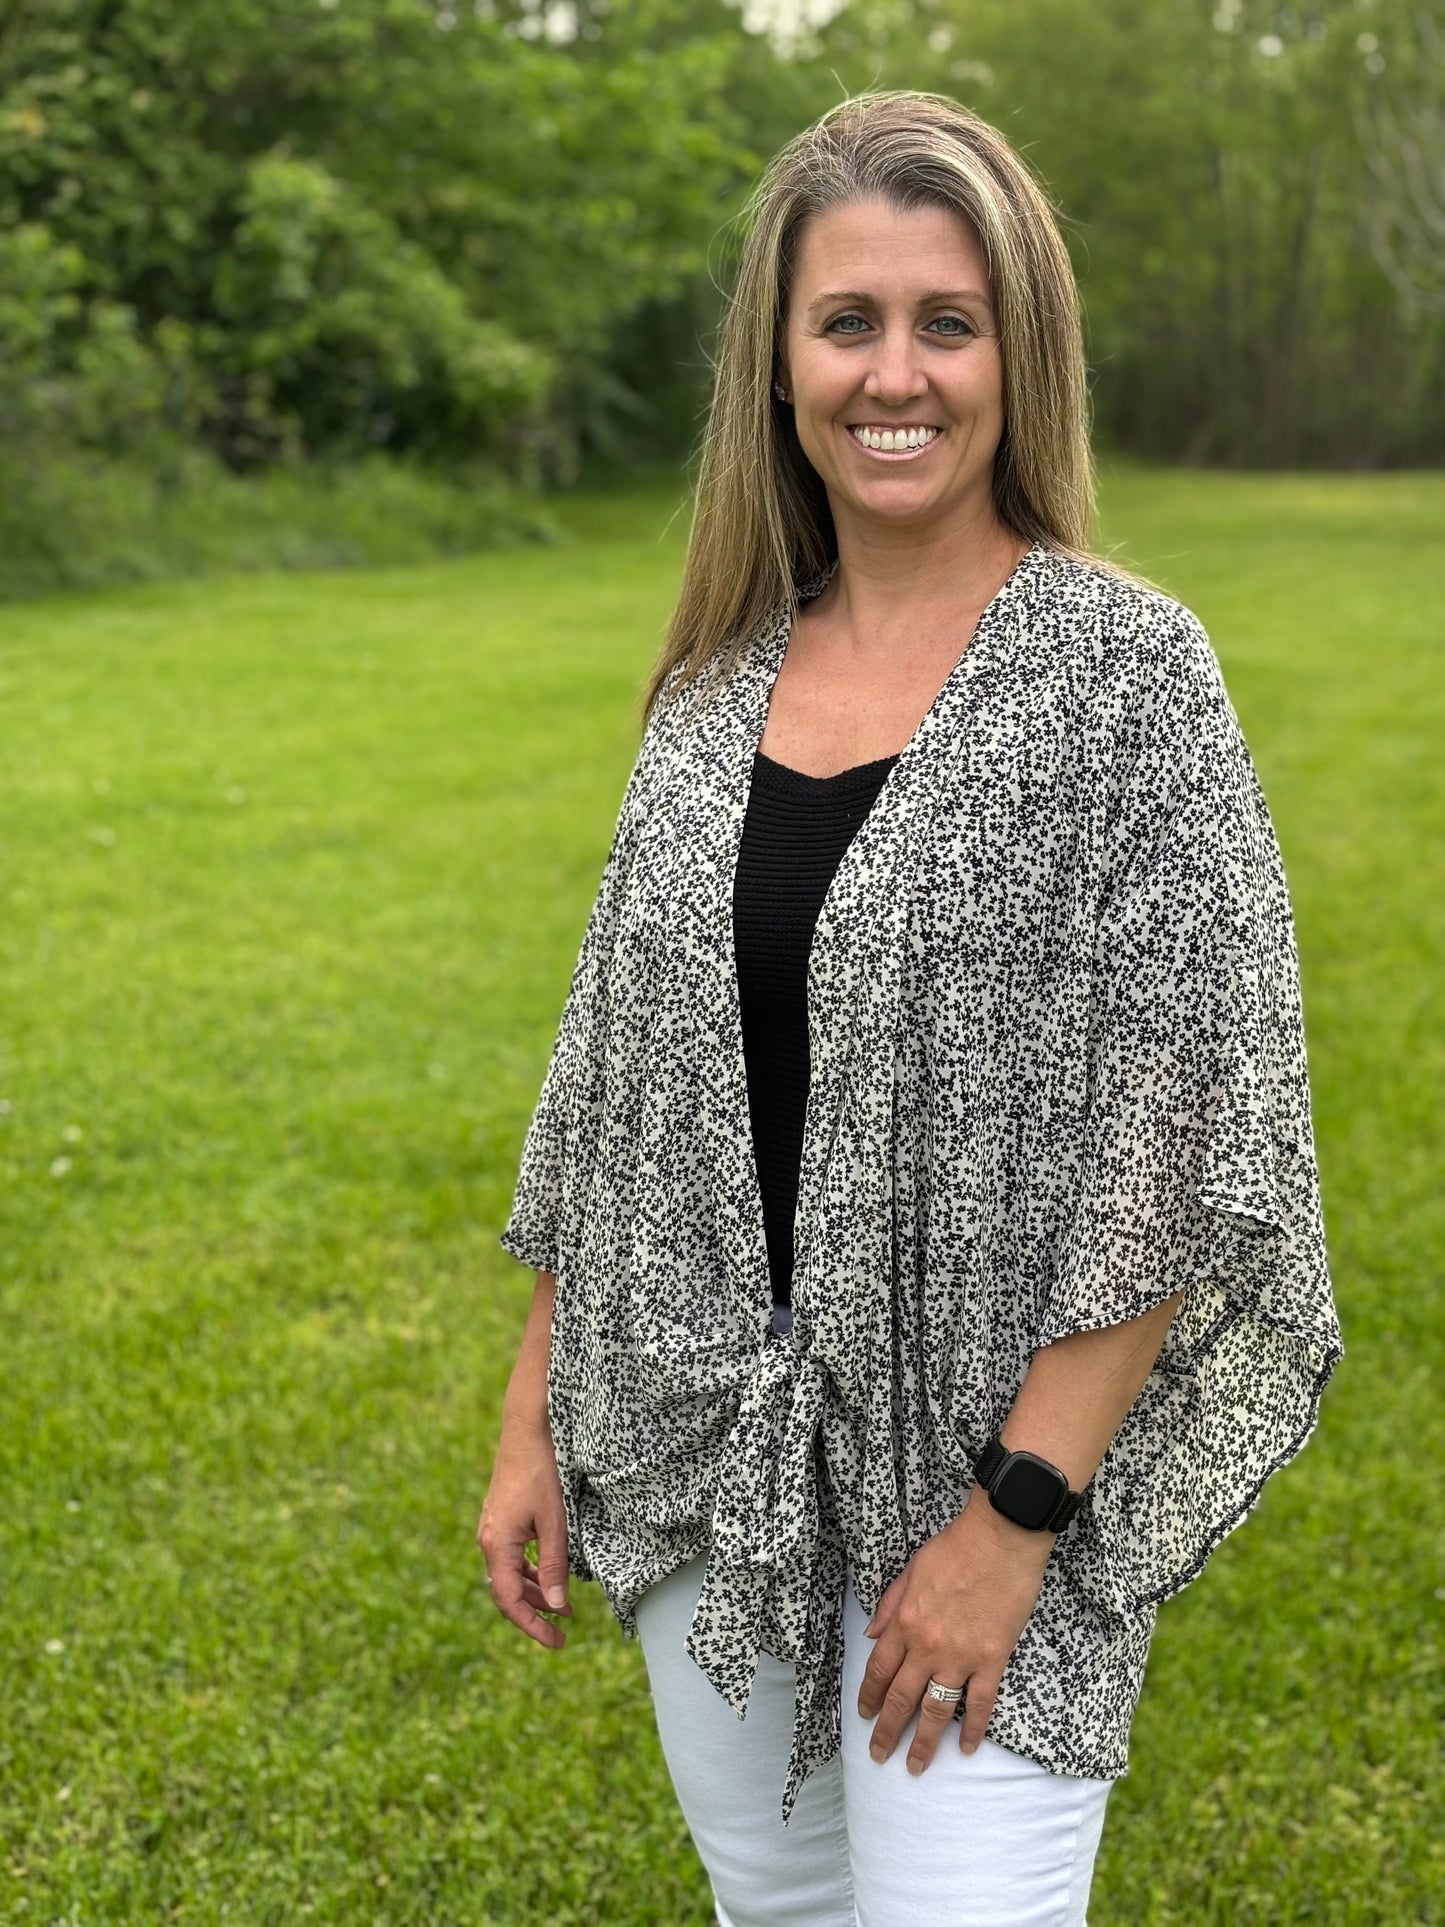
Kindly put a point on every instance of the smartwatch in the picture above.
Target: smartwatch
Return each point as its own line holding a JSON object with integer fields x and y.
{"x": 1026, "y": 1488}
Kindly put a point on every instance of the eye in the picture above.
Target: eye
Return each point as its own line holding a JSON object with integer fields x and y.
{"x": 950, "y": 327}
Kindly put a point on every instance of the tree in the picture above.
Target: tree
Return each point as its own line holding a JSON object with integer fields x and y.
{"x": 376, "y": 223}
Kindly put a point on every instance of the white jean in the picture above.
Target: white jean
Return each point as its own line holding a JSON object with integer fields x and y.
{"x": 988, "y": 1839}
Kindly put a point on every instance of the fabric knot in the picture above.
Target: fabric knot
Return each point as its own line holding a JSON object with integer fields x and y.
{"x": 762, "y": 1590}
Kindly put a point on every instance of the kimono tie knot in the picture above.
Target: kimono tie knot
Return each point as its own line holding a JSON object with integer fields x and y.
{"x": 759, "y": 1586}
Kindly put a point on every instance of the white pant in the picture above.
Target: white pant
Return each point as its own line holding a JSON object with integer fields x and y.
{"x": 988, "y": 1839}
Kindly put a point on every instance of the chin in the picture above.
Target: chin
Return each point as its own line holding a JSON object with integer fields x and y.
{"x": 897, "y": 502}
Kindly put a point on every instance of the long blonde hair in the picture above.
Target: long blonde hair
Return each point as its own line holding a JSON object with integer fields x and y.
{"x": 761, "y": 522}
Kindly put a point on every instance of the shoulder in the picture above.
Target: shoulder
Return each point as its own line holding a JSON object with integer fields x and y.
{"x": 1123, "y": 621}
{"x": 1130, "y": 651}
{"x": 693, "y": 698}
{"x": 1135, "y": 674}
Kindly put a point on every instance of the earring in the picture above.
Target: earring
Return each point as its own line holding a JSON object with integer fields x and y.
{"x": 780, "y": 391}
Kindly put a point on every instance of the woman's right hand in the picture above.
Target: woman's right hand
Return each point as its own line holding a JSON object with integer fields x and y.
{"x": 524, "y": 1502}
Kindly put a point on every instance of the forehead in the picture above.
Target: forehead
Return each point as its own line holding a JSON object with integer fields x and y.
{"x": 874, "y": 246}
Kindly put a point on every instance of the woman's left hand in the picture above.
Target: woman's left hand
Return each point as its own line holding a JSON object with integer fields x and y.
{"x": 953, "y": 1614}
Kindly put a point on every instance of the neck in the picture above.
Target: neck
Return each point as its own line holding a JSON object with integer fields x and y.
{"x": 895, "y": 586}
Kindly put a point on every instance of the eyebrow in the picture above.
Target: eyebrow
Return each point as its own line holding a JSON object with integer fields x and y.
{"x": 934, "y": 296}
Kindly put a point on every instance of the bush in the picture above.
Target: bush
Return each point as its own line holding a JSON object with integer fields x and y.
{"x": 80, "y": 519}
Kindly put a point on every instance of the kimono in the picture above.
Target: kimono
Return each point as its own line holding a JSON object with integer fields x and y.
{"x": 1057, "y": 1075}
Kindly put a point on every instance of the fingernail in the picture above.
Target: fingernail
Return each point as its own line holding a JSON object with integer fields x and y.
{"x": 868, "y": 1632}
{"x": 915, "y": 1766}
{"x": 556, "y": 1597}
{"x": 877, "y": 1753}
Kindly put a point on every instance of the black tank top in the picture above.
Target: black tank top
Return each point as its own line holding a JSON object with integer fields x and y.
{"x": 795, "y": 834}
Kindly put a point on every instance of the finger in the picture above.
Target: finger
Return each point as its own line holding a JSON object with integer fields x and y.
{"x": 504, "y": 1573}
{"x": 532, "y": 1579}
{"x": 900, "y": 1703}
{"x": 532, "y": 1593}
{"x": 528, "y": 1619}
{"x": 978, "y": 1710}
{"x": 552, "y": 1558}
{"x": 887, "y": 1606}
{"x": 888, "y": 1654}
{"x": 934, "y": 1719}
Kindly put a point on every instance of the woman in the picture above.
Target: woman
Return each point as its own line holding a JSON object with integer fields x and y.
{"x": 922, "y": 1192}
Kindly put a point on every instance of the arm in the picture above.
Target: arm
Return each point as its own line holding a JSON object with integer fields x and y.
{"x": 957, "y": 1609}
{"x": 524, "y": 1404}
{"x": 524, "y": 1498}
{"x": 1076, "y": 1393}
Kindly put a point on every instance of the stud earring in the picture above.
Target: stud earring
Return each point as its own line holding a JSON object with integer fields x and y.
{"x": 780, "y": 391}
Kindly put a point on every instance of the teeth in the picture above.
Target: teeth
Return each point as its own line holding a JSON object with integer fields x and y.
{"x": 892, "y": 440}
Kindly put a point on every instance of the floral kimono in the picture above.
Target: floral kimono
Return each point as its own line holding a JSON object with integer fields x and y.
{"x": 1057, "y": 1074}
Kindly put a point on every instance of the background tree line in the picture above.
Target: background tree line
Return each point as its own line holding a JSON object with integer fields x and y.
{"x": 487, "y": 236}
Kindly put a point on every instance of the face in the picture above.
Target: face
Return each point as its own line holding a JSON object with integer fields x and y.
{"x": 891, "y": 358}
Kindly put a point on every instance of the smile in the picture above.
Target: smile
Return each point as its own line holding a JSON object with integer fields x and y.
{"x": 894, "y": 441}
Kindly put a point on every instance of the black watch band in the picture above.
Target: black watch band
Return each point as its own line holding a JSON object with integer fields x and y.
{"x": 1026, "y": 1488}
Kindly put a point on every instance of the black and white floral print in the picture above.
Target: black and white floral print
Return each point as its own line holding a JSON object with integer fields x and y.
{"x": 1057, "y": 1073}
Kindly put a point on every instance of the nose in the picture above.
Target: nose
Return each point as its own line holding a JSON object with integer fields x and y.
{"x": 896, "y": 374}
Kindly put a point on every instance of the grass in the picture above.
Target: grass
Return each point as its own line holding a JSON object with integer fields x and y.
{"x": 297, "y": 867}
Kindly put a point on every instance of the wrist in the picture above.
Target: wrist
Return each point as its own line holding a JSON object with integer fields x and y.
{"x": 1025, "y": 1489}
{"x": 1015, "y": 1542}
{"x": 525, "y": 1422}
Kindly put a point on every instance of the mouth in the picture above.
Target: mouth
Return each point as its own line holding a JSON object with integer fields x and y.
{"x": 906, "y": 440}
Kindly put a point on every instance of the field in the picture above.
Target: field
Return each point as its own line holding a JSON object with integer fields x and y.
{"x": 296, "y": 869}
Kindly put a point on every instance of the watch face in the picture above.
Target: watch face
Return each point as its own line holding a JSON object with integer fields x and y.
{"x": 1028, "y": 1491}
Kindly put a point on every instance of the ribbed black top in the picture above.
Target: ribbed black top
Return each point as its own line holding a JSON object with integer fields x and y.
{"x": 795, "y": 834}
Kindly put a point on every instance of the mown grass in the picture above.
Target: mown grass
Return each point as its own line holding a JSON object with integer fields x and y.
{"x": 297, "y": 869}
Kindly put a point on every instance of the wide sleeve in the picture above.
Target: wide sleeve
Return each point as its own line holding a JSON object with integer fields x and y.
{"x": 1197, "y": 1168}
{"x": 531, "y": 1232}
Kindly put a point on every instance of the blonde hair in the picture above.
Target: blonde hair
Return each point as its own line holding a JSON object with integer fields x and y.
{"x": 761, "y": 522}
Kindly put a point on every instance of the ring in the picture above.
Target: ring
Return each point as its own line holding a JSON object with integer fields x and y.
{"x": 945, "y": 1695}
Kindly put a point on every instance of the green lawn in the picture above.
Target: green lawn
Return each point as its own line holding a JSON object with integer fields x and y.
{"x": 297, "y": 867}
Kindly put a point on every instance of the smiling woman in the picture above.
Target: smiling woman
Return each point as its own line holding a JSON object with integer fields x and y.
{"x": 922, "y": 1190}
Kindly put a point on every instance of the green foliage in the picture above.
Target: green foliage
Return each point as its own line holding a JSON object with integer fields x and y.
{"x": 38, "y": 300}
{"x": 80, "y": 519}
{"x": 77, "y": 369}
{"x": 494, "y": 237}
{"x": 1213, "y": 160}
{"x": 367, "y": 225}
{"x": 357, "y": 334}
{"x": 297, "y": 869}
